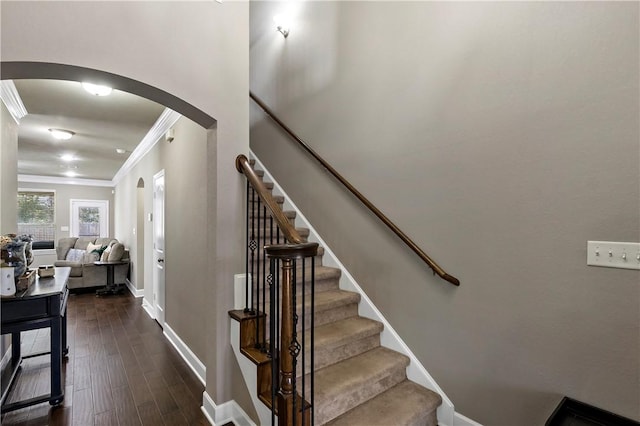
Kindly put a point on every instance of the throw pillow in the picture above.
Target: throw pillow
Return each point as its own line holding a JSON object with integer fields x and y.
{"x": 96, "y": 248}
{"x": 105, "y": 255}
{"x": 75, "y": 255}
{"x": 117, "y": 251}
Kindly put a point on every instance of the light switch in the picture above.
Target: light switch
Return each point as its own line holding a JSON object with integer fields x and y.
{"x": 610, "y": 254}
{"x": 64, "y": 228}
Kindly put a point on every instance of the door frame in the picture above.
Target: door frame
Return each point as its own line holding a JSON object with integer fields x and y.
{"x": 158, "y": 300}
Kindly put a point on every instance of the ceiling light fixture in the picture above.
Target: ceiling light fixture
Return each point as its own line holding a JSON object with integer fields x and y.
{"x": 68, "y": 158}
{"x": 96, "y": 89}
{"x": 120, "y": 151}
{"x": 282, "y": 24}
{"x": 70, "y": 173}
{"x": 61, "y": 134}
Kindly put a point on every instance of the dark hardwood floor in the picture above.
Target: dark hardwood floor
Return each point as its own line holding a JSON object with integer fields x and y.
{"x": 121, "y": 370}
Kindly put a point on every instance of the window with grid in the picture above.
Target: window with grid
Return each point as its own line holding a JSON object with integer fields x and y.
{"x": 36, "y": 217}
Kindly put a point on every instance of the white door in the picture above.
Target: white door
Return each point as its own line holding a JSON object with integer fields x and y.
{"x": 89, "y": 218}
{"x": 158, "y": 246}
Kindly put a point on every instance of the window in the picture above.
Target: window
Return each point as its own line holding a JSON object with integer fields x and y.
{"x": 36, "y": 217}
{"x": 90, "y": 218}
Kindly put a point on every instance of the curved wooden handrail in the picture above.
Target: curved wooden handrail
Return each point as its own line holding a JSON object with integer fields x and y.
{"x": 432, "y": 264}
{"x": 289, "y": 231}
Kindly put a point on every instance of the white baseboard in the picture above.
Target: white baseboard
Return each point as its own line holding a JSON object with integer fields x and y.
{"x": 189, "y": 357}
{"x": 460, "y": 420}
{"x": 148, "y": 307}
{"x": 224, "y": 413}
{"x": 136, "y": 293}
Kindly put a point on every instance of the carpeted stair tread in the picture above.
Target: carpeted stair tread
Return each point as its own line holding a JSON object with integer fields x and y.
{"x": 330, "y": 299}
{"x": 342, "y": 339}
{"x": 339, "y": 333}
{"x": 406, "y": 404}
{"x": 343, "y": 386}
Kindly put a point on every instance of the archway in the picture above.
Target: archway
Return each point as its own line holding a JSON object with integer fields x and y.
{"x": 45, "y": 70}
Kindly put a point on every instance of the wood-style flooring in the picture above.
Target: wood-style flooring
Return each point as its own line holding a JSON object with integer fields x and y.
{"x": 121, "y": 370}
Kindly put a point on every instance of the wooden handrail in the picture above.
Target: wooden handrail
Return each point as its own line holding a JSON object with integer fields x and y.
{"x": 432, "y": 264}
{"x": 289, "y": 231}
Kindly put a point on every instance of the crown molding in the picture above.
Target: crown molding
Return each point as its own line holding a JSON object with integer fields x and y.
{"x": 65, "y": 181}
{"x": 11, "y": 98}
{"x": 167, "y": 119}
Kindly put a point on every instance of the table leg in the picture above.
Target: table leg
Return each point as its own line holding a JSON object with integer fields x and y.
{"x": 15, "y": 346}
{"x": 57, "y": 392}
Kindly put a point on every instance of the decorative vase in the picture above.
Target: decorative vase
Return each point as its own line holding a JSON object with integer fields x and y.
{"x": 16, "y": 257}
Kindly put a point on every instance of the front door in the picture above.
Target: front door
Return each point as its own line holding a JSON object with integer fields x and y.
{"x": 158, "y": 246}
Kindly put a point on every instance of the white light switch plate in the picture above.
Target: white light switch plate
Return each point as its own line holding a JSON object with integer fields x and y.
{"x": 613, "y": 254}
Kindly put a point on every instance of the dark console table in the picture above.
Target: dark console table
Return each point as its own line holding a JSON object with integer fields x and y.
{"x": 42, "y": 305}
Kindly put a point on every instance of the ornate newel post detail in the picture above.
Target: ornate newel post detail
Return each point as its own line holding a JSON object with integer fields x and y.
{"x": 289, "y": 403}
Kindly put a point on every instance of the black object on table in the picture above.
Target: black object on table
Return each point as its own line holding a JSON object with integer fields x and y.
{"x": 111, "y": 287}
{"x": 42, "y": 305}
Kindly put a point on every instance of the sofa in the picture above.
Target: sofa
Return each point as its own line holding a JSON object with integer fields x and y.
{"x": 81, "y": 253}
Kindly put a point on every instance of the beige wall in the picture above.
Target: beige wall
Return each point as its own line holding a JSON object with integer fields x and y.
{"x": 64, "y": 195}
{"x": 197, "y": 51}
{"x": 500, "y": 137}
{"x": 8, "y": 184}
{"x": 185, "y": 167}
{"x": 8, "y": 172}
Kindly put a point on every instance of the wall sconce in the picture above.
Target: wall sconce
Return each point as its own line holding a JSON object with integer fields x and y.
{"x": 282, "y": 24}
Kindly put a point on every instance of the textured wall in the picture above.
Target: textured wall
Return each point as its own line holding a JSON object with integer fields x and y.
{"x": 500, "y": 137}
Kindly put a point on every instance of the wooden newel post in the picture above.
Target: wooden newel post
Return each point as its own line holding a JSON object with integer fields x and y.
{"x": 285, "y": 394}
{"x": 289, "y": 403}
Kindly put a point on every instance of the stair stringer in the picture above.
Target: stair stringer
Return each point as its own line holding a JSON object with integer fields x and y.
{"x": 389, "y": 338}
{"x": 248, "y": 368}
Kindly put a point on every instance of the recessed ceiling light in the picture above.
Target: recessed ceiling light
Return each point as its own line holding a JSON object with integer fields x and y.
{"x": 61, "y": 134}
{"x": 68, "y": 157}
{"x": 120, "y": 151}
{"x": 96, "y": 89}
{"x": 70, "y": 173}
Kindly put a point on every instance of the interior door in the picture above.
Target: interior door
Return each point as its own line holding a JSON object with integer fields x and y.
{"x": 158, "y": 247}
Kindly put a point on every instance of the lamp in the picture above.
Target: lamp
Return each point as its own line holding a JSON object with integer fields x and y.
{"x": 282, "y": 24}
{"x": 96, "y": 89}
{"x": 61, "y": 134}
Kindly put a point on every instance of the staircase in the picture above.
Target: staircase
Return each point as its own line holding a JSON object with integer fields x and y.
{"x": 357, "y": 381}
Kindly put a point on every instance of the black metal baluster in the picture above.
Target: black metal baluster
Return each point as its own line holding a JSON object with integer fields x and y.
{"x": 313, "y": 347}
{"x": 304, "y": 340}
{"x": 257, "y": 277}
{"x": 246, "y": 254}
{"x": 264, "y": 274}
{"x": 294, "y": 348}
{"x": 252, "y": 246}
{"x": 274, "y": 356}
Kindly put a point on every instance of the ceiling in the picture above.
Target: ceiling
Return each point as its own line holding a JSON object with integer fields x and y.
{"x": 101, "y": 125}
